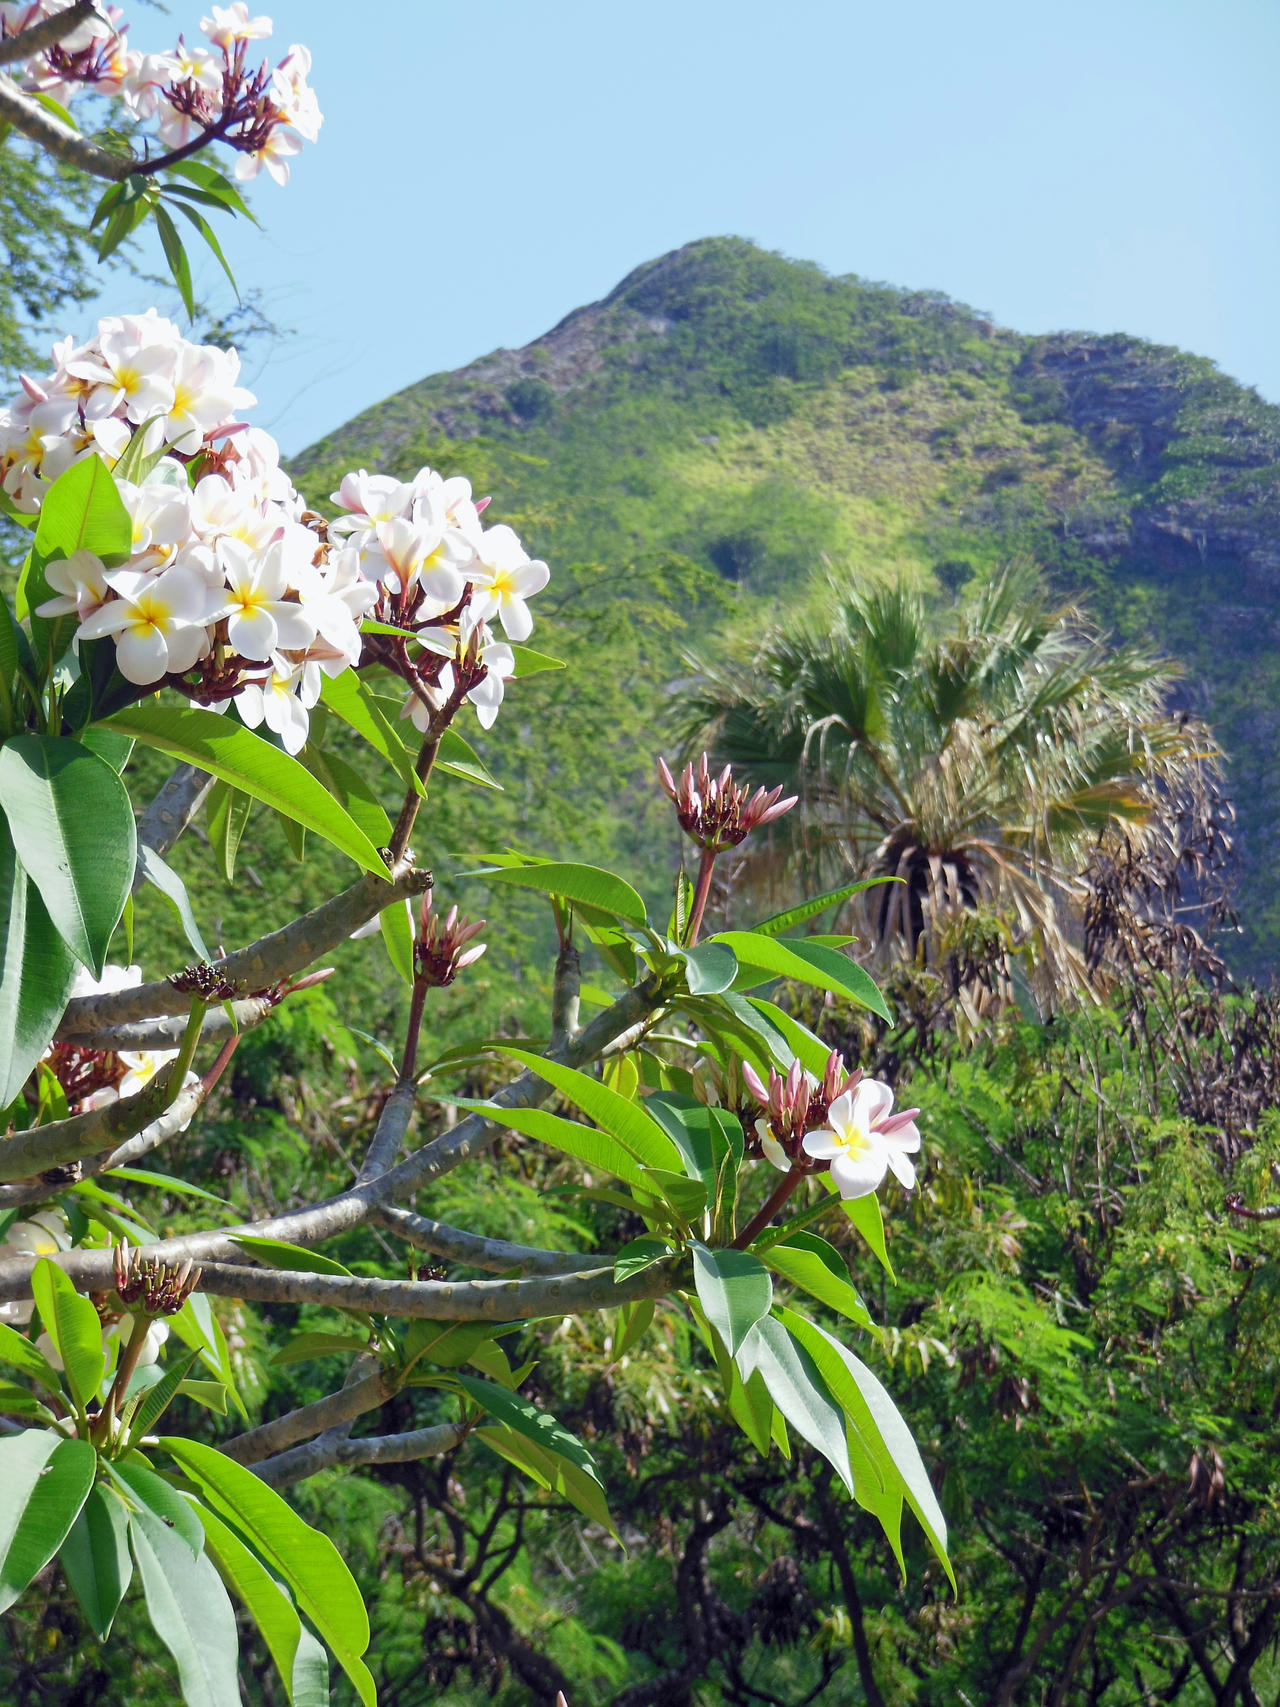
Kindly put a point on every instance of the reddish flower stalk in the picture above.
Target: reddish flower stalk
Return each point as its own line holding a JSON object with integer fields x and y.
{"x": 717, "y": 814}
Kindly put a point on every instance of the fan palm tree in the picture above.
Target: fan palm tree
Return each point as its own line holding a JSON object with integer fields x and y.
{"x": 979, "y": 765}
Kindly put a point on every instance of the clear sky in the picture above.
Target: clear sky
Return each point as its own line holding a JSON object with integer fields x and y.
{"x": 488, "y": 165}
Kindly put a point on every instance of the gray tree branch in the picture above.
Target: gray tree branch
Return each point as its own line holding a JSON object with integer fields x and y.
{"x": 440, "y": 1300}
{"x": 172, "y": 809}
{"x": 324, "y": 1453}
{"x": 342, "y": 1406}
{"x": 58, "y": 139}
{"x": 263, "y": 963}
{"x": 499, "y": 1256}
{"x": 25, "y": 44}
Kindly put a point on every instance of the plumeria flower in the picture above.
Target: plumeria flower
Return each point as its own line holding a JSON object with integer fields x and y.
{"x": 80, "y": 582}
{"x": 370, "y": 499}
{"x": 282, "y": 701}
{"x": 863, "y": 1138}
{"x": 158, "y": 622}
{"x": 279, "y": 147}
{"x": 416, "y": 553}
{"x": 205, "y": 394}
{"x": 505, "y": 576}
{"x": 131, "y": 375}
{"x": 232, "y": 24}
{"x": 43, "y": 1235}
{"x": 220, "y": 510}
{"x": 260, "y": 621}
{"x": 143, "y": 1065}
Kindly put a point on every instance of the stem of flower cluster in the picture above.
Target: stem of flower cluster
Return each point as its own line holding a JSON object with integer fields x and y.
{"x": 772, "y": 1204}
{"x": 409, "y": 1061}
{"x": 129, "y": 1355}
{"x": 706, "y": 865}
{"x": 412, "y": 800}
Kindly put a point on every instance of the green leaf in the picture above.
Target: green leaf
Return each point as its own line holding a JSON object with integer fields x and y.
{"x": 72, "y": 827}
{"x": 176, "y": 256}
{"x": 160, "y": 1499}
{"x": 551, "y": 1471}
{"x": 866, "y": 1216}
{"x": 161, "y": 1396}
{"x": 735, "y": 1291}
{"x": 307, "y": 1560}
{"x": 274, "y": 1253}
{"x": 239, "y": 757}
{"x": 688, "y": 1197}
{"x": 135, "y": 462}
{"x": 95, "y": 1558}
{"x": 197, "y": 1326}
{"x": 82, "y": 510}
{"x": 526, "y": 1419}
{"x": 812, "y": 1051}
{"x": 599, "y": 1150}
{"x": 214, "y": 184}
{"x": 171, "y": 886}
{"x": 19, "y": 1353}
{"x": 799, "y": 1392}
{"x": 709, "y": 968}
{"x": 445, "y": 1344}
{"x": 633, "y": 1324}
{"x": 44, "y": 1481}
{"x": 531, "y": 663}
{"x": 358, "y": 706}
{"x": 270, "y": 1608}
{"x": 302, "y": 1347}
{"x": 776, "y": 923}
{"x": 763, "y": 958}
{"x": 817, "y": 1268}
{"x": 36, "y": 973}
{"x": 207, "y": 232}
{"x": 168, "y": 1182}
{"x": 623, "y": 1119}
{"x": 191, "y": 1613}
{"x": 72, "y": 1323}
{"x": 875, "y": 1417}
{"x": 226, "y": 813}
{"x": 587, "y": 884}
{"x": 353, "y": 791}
{"x": 396, "y": 925}
{"x": 639, "y": 1255}
{"x": 458, "y": 758}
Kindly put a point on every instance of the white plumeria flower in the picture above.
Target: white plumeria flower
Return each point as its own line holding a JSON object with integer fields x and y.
{"x": 863, "y": 1139}
{"x": 335, "y": 595}
{"x": 505, "y": 576}
{"x": 220, "y": 510}
{"x": 279, "y": 148}
{"x": 161, "y": 517}
{"x": 42, "y": 1235}
{"x": 417, "y": 553}
{"x": 486, "y": 696}
{"x": 282, "y": 701}
{"x": 80, "y": 582}
{"x": 129, "y": 376}
{"x": 293, "y": 95}
{"x": 143, "y": 1065}
{"x": 113, "y": 978}
{"x": 206, "y": 393}
{"x": 232, "y": 24}
{"x": 158, "y": 622}
{"x": 370, "y": 499}
{"x": 260, "y": 622}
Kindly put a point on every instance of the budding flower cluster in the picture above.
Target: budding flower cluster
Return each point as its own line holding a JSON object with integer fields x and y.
{"x": 441, "y": 949}
{"x": 716, "y": 812}
{"x": 793, "y": 1104}
{"x": 161, "y": 1288}
{"x": 205, "y": 981}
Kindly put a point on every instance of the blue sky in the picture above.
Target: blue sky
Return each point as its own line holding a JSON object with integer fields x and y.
{"x": 487, "y": 166}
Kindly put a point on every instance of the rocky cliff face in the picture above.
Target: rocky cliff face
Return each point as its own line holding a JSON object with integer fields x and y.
{"x": 757, "y": 416}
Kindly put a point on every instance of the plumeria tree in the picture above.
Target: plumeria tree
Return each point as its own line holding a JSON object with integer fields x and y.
{"x": 178, "y": 595}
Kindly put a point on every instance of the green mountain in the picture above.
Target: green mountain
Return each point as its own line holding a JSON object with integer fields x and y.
{"x": 688, "y": 453}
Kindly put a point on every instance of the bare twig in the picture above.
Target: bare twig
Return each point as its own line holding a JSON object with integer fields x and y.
{"x": 325, "y": 1452}
{"x": 58, "y": 139}
{"x": 499, "y": 1256}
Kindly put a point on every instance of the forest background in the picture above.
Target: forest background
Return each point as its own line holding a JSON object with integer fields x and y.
{"x": 1085, "y": 1344}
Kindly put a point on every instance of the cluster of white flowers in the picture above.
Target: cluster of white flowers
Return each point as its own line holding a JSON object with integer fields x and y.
{"x": 264, "y": 114}
{"x": 234, "y": 591}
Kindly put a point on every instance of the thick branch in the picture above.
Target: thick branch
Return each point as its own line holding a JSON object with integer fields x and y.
{"x": 91, "y": 1270}
{"x": 324, "y": 1452}
{"x": 59, "y": 139}
{"x": 439, "y": 1300}
{"x": 172, "y": 809}
{"x": 499, "y": 1256}
{"x": 256, "y": 967}
{"x": 564, "y": 996}
{"x": 150, "y": 1138}
{"x": 308, "y": 1420}
{"x": 47, "y": 33}
{"x": 389, "y": 1133}
{"x": 42, "y": 1147}
{"x": 167, "y": 1033}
